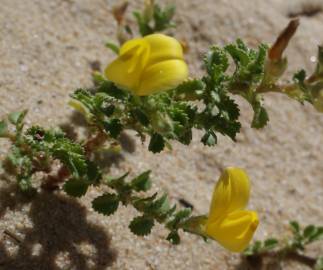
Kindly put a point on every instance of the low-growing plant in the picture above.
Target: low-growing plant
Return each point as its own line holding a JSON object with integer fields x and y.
{"x": 147, "y": 89}
{"x": 291, "y": 247}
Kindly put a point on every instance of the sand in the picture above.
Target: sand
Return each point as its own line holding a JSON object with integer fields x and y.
{"x": 46, "y": 47}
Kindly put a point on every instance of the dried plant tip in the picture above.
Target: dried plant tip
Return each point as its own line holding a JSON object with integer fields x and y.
{"x": 277, "y": 49}
{"x": 185, "y": 46}
{"x": 119, "y": 11}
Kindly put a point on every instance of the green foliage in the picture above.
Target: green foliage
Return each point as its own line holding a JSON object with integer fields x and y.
{"x": 3, "y": 129}
{"x": 70, "y": 154}
{"x": 106, "y": 204}
{"x": 154, "y": 18}
{"x": 22, "y": 166}
{"x": 301, "y": 238}
{"x": 36, "y": 148}
{"x": 157, "y": 143}
{"x": 141, "y": 225}
{"x": 248, "y": 76}
{"x": 259, "y": 247}
{"x": 174, "y": 238}
{"x": 75, "y": 187}
{"x": 300, "y": 91}
{"x": 319, "y": 264}
{"x": 294, "y": 244}
{"x": 220, "y": 113}
{"x": 179, "y": 217}
{"x": 113, "y": 47}
{"x": 142, "y": 182}
{"x": 16, "y": 118}
{"x": 153, "y": 208}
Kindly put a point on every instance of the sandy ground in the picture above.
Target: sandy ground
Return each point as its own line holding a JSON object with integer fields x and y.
{"x": 46, "y": 47}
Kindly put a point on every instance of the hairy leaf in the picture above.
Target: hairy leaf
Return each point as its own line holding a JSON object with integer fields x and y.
{"x": 106, "y": 204}
{"x": 142, "y": 182}
{"x": 75, "y": 187}
{"x": 141, "y": 225}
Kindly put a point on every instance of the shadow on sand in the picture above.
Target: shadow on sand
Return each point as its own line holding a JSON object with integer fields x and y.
{"x": 59, "y": 228}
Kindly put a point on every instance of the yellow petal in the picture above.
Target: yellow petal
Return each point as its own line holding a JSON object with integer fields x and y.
{"x": 128, "y": 46}
{"x": 127, "y": 68}
{"x": 231, "y": 193}
{"x": 162, "y": 48}
{"x": 162, "y": 76}
{"x": 234, "y": 231}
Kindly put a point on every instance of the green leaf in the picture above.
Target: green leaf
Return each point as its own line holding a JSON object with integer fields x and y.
{"x": 190, "y": 89}
{"x": 3, "y": 129}
{"x": 270, "y": 243}
{"x": 15, "y": 157}
{"x": 112, "y": 90}
{"x": 157, "y": 143}
{"x": 248, "y": 251}
{"x": 142, "y": 182}
{"x": 309, "y": 231}
{"x": 106, "y": 204}
{"x": 16, "y": 118}
{"x": 178, "y": 217}
{"x": 316, "y": 235}
{"x": 319, "y": 264}
{"x": 108, "y": 110}
{"x": 117, "y": 183}
{"x": 141, "y": 225}
{"x": 72, "y": 155}
{"x": 253, "y": 249}
{"x": 240, "y": 56}
{"x": 260, "y": 118}
{"x": 75, "y": 187}
{"x": 300, "y": 76}
{"x": 114, "y": 127}
{"x": 97, "y": 78}
{"x": 143, "y": 24}
{"x": 24, "y": 183}
{"x": 94, "y": 174}
{"x": 160, "y": 206}
{"x": 140, "y": 116}
{"x": 183, "y": 213}
{"x": 163, "y": 17}
{"x": 257, "y": 246}
{"x": 112, "y": 46}
{"x": 216, "y": 63}
{"x": 209, "y": 138}
{"x": 160, "y": 20}
{"x": 295, "y": 227}
{"x": 174, "y": 238}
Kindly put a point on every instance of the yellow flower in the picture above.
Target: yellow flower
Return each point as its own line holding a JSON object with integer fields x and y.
{"x": 228, "y": 221}
{"x": 148, "y": 65}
